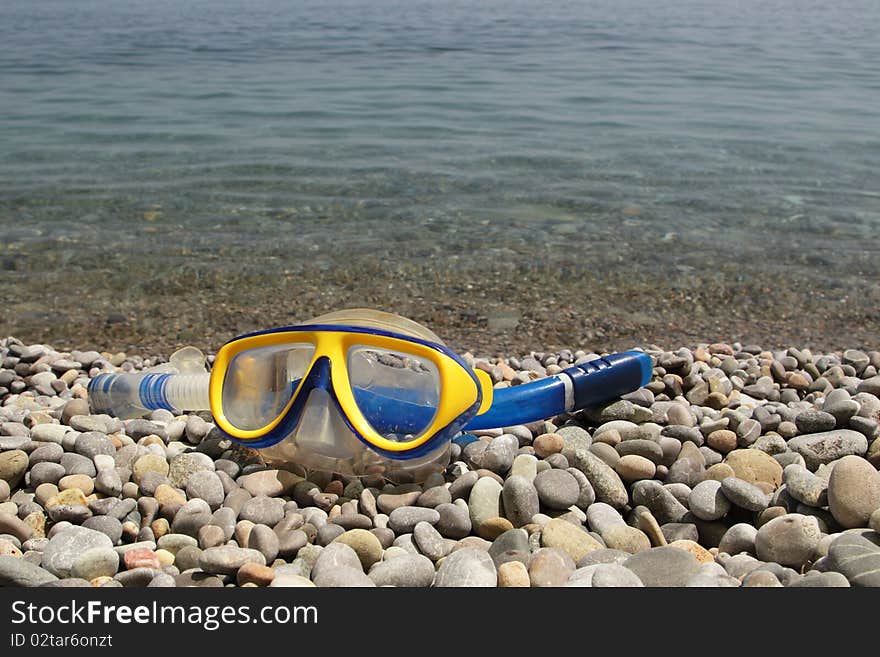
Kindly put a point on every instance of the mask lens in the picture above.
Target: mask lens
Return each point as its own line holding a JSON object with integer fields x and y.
{"x": 260, "y": 382}
{"x": 397, "y": 393}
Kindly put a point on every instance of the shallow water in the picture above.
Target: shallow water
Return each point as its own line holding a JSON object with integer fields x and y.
{"x": 658, "y": 140}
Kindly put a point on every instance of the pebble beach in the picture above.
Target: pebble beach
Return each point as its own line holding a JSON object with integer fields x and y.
{"x": 735, "y": 467}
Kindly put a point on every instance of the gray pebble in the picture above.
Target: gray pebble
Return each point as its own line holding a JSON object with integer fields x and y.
{"x": 410, "y": 570}
{"x": 454, "y": 522}
{"x": 206, "y": 485}
{"x": 663, "y": 566}
{"x": 109, "y": 526}
{"x": 557, "y": 489}
{"x": 743, "y": 494}
{"x": 15, "y": 571}
{"x": 64, "y": 548}
{"x": 605, "y": 481}
{"x": 707, "y": 501}
{"x": 790, "y": 540}
{"x": 804, "y": 486}
{"x": 78, "y": 464}
{"x": 819, "y": 448}
{"x": 739, "y": 538}
{"x": 467, "y": 567}
{"x": 404, "y": 519}
{"x": 227, "y": 559}
{"x": 263, "y": 510}
{"x": 665, "y": 507}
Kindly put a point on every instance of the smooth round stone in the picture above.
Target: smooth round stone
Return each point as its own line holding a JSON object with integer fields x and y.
{"x": 604, "y": 555}
{"x": 19, "y": 572}
{"x": 525, "y": 466}
{"x": 429, "y": 541}
{"x": 49, "y": 433}
{"x": 46, "y": 473}
{"x": 408, "y": 570}
{"x": 633, "y": 467}
{"x": 647, "y": 449}
{"x": 49, "y": 452}
{"x": 66, "y": 546}
{"x": 484, "y": 501}
{"x": 574, "y": 438}
{"x": 183, "y": 466}
{"x": 626, "y": 539}
{"x": 467, "y": 567}
{"x": 562, "y": 534}
{"x": 707, "y": 502}
{"x": 722, "y": 440}
{"x": 92, "y": 443}
{"x": 271, "y": 483}
{"x": 739, "y": 538}
{"x": 557, "y": 489}
{"x": 291, "y": 581}
{"x": 874, "y": 521}
{"x": 227, "y": 559}
{"x": 601, "y": 517}
{"x": 662, "y": 503}
{"x": 605, "y": 481}
{"x": 513, "y": 574}
{"x": 262, "y": 510}
{"x": 853, "y": 491}
{"x": 343, "y": 578}
{"x": 365, "y": 545}
{"x": 189, "y": 519}
{"x": 108, "y": 482}
{"x": 520, "y": 500}
{"x": 462, "y": 486}
{"x": 678, "y": 414}
{"x": 612, "y": 575}
{"x": 210, "y": 536}
{"x": 14, "y": 526}
{"x": 149, "y": 463}
{"x": 107, "y": 525}
{"x": 814, "y": 421}
{"x": 744, "y": 495}
{"x": 789, "y": 540}
{"x": 454, "y": 521}
{"x": 206, "y": 485}
{"x": 550, "y": 567}
{"x": 547, "y": 444}
{"x": 825, "y": 447}
{"x": 13, "y": 465}
{"x": 494, "y": 527}
{"x": 265, "y": 541}
{"x": 821, "y": 580}
{"x": 404, "y": 519}
{"x": 663, "y": 566}
{"x": 804, "y": 486}
{"x": 388, "y": 502}
{"x": 335, "y": 556}
{"x": 500, "y": 453}
{"x": 434, "y": 497}
{"x": 753, "y": 466}
{"x": 857, "y": 558}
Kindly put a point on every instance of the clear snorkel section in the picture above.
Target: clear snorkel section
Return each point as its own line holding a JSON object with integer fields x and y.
{"x": 322, "y": 440}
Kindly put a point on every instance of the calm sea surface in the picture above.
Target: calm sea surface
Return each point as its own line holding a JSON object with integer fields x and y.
{"x": 518, "y": 131}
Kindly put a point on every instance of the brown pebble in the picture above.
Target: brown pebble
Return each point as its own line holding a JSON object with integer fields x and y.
{"x": 722, "y": 440}
{"x": 513, "y": 574}
{"x": 493, "y": 528}
{"x": 547, "y": 444}
{"x": 254, "y": 573}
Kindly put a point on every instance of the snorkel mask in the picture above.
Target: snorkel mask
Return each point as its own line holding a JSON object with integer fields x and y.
{"x": 357, "y": 392}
